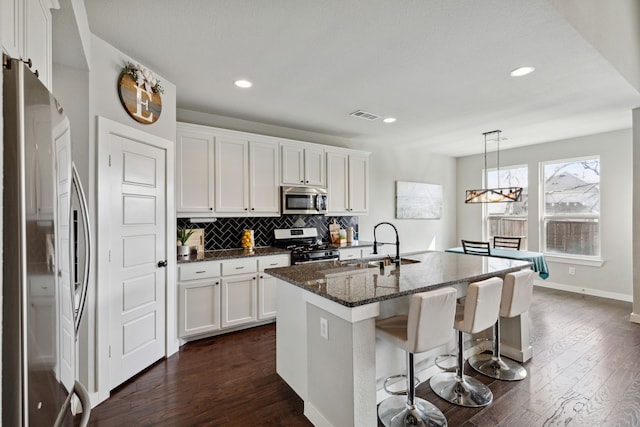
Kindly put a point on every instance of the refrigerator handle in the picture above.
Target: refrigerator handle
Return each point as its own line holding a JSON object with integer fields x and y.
{"x": 79, "y": 310}
{"x": 83, "y": 395}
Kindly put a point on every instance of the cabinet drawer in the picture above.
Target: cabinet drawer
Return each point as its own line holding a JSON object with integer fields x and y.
{"x": 239, "y": 266}
{"x": 350, "y": 253}
{"x": 199, "y": 270}
{"x": 273, "y": 262}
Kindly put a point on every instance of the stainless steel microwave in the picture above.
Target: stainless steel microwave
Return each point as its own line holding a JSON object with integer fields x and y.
{"x": 304, "y": 201}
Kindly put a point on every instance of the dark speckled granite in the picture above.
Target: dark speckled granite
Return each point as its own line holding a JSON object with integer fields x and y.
{"x": 355, "y": 285}
{"x": 232, "y": 253}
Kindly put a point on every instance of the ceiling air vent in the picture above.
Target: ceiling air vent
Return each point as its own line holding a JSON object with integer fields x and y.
{"x": 364, "y": 115}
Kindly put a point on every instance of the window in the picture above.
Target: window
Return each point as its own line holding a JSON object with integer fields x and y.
{"x": 509, "y": 218}
{"x": 571, "y": 207}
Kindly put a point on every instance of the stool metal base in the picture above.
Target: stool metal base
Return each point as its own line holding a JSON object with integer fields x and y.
{"x": 464, "y": 391}
{"x": 497, "y": 367}
{"x": 394, "y": 411}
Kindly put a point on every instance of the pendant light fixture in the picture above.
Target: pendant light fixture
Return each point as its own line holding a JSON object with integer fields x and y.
{"x": 493, "y": 195}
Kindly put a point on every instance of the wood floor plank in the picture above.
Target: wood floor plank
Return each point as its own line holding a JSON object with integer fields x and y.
{"x": 585, "y": 371}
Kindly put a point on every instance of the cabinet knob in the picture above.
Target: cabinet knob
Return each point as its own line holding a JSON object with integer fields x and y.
{"x": 217, "y": 283}
{"x": 301, "y": 181}
{"x": 210, "y": 209}
{"x": 162, "y": 263}
{"x": 246, "y": 209}
{"x": 253, "y": 209}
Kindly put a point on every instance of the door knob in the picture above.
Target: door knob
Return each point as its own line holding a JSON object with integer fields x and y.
{"x": 162, "y": 263}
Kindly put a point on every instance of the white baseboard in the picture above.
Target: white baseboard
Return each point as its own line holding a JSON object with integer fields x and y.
{"x": 313, "y": 415}
{"x": 634, "y": 317}
{"x": 584, "y": 291}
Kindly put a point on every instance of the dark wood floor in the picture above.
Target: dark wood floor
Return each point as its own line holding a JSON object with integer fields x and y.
{"x": 585, "y": 372}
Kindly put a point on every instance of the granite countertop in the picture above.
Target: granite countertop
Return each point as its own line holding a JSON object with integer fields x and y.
{"x": 357, "y": 284}
{"x": 223, "y": 254}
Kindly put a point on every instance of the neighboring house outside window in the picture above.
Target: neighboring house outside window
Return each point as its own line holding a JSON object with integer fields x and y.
{"x": 510, "y": 218}
{"x": 571, "y": 207}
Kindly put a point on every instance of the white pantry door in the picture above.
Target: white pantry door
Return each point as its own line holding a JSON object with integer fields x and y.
{"x": 137, "y": 286}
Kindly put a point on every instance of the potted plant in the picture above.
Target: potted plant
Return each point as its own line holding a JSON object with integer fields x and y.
{"x": 183, "y": 235}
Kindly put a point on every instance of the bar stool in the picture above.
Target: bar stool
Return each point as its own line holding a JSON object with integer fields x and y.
{"x": 516, "y": 299}
{"x": 480, "y": 312}
{"x": 427, "y": 326}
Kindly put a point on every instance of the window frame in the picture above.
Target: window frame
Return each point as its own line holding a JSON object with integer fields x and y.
{"x": 595, "y": 260}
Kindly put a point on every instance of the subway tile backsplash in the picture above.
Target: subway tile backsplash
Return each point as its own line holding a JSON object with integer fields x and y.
{"x": 225, "y": 233}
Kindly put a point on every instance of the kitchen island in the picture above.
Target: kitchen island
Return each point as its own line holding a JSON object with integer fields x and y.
{"x": 325, "y": 329}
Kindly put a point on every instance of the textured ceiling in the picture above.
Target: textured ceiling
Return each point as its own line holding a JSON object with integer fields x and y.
{"x": 440, "y": 66}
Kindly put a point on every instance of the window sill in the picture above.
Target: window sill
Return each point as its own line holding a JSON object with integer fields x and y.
{"x": 592, "y": 262}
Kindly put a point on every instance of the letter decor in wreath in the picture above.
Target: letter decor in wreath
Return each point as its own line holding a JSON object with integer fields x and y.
{"x": 139, "y": 91}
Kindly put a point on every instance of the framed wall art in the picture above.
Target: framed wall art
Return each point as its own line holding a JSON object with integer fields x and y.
{"x": 416, "y": 200}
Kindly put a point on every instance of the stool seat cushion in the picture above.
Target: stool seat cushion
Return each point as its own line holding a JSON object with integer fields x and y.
{"x": 428, "y": 324}
{"x": 517, "y": 292}
{"x": 481, "y": 306}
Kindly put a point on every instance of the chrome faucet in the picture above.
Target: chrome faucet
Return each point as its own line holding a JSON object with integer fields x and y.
{"x": 375, "y": 242}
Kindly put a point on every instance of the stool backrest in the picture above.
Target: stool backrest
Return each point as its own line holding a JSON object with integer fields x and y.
{"x": 517, "y": 291}
{"x": 481, "y": 305}
{"x": 430, "y": 319}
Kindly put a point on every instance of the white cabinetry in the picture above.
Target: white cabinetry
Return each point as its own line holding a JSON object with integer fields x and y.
{"x": 348, "y": 182}
{"x": 194, "y": 171}
{"x": 198, "y": 298}
{"x": 267, "y": 284}
{"x": 303, "y": 165}
{"x": 232, "y": 294}
{"x": 246, "y": 176}
{"x": 27, "y": 33}
{"x": 350, "y": 253}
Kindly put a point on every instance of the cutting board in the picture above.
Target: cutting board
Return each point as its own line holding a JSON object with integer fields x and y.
{"x": 197, "y": 239}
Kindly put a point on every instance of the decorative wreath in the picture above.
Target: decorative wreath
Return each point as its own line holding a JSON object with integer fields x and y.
{"x": 143, "y": 77}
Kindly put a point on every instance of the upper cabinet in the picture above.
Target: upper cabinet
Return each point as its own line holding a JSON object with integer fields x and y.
{"x": 27, "y": 34}
{"x": 229, "y": 173}
{"x": 348, "y": 182}
{"x": 303, "y": 165}
{"x": 194, "y": 171}
{"x": 246, "y": 177}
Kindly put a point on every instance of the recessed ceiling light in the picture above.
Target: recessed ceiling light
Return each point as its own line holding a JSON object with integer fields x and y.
{"x": 244, "y": 84}
{"x": 522, "y": 71}
{"x": 389, "y": 119}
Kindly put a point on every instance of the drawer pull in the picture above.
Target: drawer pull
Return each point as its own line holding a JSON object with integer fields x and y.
{"x": 200, "y": 272}
{"x": 274, "y": 263}
{"x": 239, "y": 268}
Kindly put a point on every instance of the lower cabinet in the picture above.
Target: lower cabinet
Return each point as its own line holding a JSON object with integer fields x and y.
{"x": 239, "y": 300}
{"x": 219, "y": 295}
{"x": 199, "y": 308}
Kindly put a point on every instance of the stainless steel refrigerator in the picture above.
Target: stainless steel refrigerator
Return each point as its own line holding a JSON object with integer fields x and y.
{"x": 46, "y": 257}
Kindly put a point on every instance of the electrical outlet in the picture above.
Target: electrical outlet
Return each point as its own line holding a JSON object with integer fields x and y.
{"x": 324, "y": 328}
{"x": 572, "y": 271}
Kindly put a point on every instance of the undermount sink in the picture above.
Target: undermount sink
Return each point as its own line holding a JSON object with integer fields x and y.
{"x": 378, "y": 263}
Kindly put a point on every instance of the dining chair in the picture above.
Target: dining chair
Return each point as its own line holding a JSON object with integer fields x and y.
{"x": 476, "y": 248}
{"x": 507, "y": 242}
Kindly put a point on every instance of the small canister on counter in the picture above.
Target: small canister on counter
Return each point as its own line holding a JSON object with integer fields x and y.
{"x": 248, "y": 242}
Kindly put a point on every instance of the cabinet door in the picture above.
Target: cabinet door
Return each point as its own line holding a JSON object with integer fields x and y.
{"x": 12, "y": 19}
{"x": 264, "y": 189}
{"x": 292, "y": 164}
{"x": 194, "y": 172}
{"x": 267, "y": 297}
{"x": 198, "y": 307}
{"x": 314, "y": 166}
{"x": 37, "y": 38}
{"x": 232, "y": 175}
{"x": 358, "y": 184}
{"x": 239, "y": 300}
{"x": 338, "y": 183}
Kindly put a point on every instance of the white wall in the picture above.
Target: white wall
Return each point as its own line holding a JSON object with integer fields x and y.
{"x": 613, "y": 278}
{"x": 389, "y": 165}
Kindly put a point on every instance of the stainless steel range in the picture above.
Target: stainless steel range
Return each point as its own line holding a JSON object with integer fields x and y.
{"x": 305, "y": 245}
